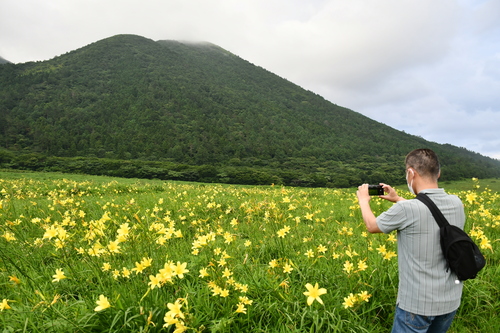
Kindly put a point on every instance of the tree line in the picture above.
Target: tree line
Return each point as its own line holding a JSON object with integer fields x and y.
{"x": 296, "y": 172}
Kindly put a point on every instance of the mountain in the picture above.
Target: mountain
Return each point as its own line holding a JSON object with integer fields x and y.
{"x": 178, "y": 106}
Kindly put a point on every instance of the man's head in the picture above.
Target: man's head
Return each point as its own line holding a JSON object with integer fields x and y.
{"x": 425, "y": 162}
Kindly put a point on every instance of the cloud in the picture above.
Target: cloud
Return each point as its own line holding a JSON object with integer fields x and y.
{"x": 355, "y": 44}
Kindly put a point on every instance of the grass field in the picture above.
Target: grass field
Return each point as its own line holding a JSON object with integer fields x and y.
{"x": 99, "y": 254}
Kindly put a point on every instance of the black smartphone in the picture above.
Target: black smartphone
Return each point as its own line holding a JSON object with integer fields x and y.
{"x": 375, "y": 190}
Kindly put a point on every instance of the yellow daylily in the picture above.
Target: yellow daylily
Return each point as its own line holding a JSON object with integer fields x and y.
{"x": 102, "y": 303}
{"x": 314, "y": 293}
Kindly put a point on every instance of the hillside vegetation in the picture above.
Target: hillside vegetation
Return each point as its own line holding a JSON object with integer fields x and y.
{"x": 129, "y": 106}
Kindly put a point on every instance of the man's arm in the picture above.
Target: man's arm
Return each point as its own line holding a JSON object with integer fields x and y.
{"x": 366, "y": 211}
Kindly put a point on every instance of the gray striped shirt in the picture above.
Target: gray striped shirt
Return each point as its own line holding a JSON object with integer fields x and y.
{"x": 425, "y": 286}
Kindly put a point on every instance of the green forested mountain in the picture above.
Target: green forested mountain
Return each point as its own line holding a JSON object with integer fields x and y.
{"x": 131, "y": 106}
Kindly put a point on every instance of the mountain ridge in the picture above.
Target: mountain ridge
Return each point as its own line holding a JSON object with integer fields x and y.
{"x": 128, "y": 97}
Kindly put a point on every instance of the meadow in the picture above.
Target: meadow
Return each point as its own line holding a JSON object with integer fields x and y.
{"x": 101, "y": 254}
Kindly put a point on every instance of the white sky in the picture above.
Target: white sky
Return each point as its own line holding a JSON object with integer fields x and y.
{"x": 430, "y": 68}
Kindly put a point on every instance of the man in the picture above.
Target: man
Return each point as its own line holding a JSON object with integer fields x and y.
{"x": 428, "y": 295}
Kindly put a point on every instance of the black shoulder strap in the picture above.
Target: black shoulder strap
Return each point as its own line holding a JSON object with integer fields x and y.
{"x": 438, "y": 216}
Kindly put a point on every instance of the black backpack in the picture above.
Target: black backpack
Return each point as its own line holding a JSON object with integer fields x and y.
{"x": 461, "y": 253}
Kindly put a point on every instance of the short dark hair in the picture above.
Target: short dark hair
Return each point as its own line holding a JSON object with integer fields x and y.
{"x": 425, "y": 162}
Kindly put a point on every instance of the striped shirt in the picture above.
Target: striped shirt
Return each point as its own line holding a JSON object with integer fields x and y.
{"x": 425, "y": 286}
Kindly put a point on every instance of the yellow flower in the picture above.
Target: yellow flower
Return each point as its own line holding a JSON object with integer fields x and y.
{"x": 227, "y": 273}
{"x": 102, "y": 303}
{"x": 106, "y": 267}
{"x": 114, "y": 247}
{"x": 382, "y": 250}
{"x": 229, "y": 238}
{"x": 322, "y": 249}
{"x": 96, "y": 250}
{"x": 155, "y": 281}
{"x": 314, "y": 293}
{"x": 174, "y": 310}
{"x": 4, "y": 305}
{"x": 283, "y": 231}
{"x": 180, "y": 327}
{"x": 242, "y": 287}
{"x": 477, "y": 233}
{"x": 273, "y": 263}
{"x": 351, "y": 254}
{"x": 245, "y": 300}
{"x": 391, "y": 238}
{"x": 139, "y": 267}
{"x": 62, "y": 234}
{"x": 203, "y": 273}
{"x": 364, "y": 296}
{"x": 126, "y": 272}
{"x": 362, "y": 265}
{"x": 216, "y": 290}
{"x": 9, "y": 236}
{"x": 50, "y": 233}
{"x": 349, "y": 301}
{"x": 59, "y": 275}
{"x": 309, "y": 253}
{"x": 169, "y": 320}
{"x": 241, "y": 308}
{"x": 167, "y": 272}
{"x": 389, "y": 255}
{"x": 116, "y": 273}
{"x": 180, "y": 269}
{"x": 485, "y": 243}
{"x": 287, "y": 268}
{"x": 348, "y": 267}
{"x": 14, "y": 279}
{"x": 471, "y": 197}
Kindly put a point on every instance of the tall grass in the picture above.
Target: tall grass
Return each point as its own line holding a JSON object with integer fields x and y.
{"x": 233, "y": 258}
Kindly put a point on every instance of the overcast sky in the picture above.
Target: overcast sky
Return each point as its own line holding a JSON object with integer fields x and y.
{"x": 430, "y": 68}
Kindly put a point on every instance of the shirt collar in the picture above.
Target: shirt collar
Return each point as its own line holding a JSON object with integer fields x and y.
{"x": 434, "y": 191}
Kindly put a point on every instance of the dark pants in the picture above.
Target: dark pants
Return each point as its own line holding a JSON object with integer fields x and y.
{"x": 408, "y": 322}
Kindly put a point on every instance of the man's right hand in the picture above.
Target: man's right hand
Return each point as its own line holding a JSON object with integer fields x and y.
{"x": 391, "y": 195}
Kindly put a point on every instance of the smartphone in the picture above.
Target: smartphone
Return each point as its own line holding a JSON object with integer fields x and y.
{"x": 375, "y": 190}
